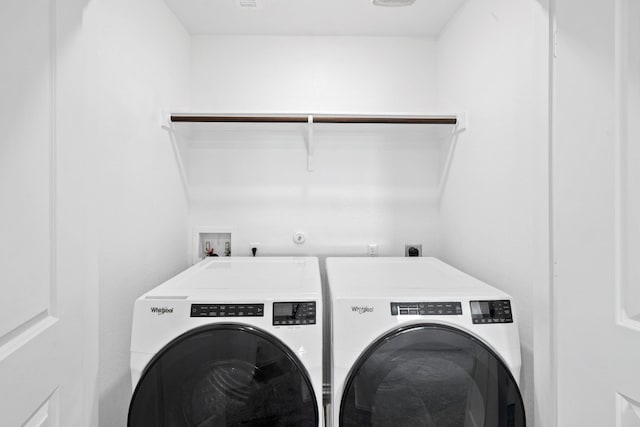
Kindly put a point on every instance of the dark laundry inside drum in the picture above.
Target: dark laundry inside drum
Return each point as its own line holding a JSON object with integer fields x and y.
{"x": 224, "y": 377}
{"x": 222, "y": 386}
{"x": 431, "y": 377}
{"x": 405, "y": 399}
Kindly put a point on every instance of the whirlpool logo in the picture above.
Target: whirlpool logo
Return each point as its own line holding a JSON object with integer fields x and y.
{"x": 161, "y": 310}
{"x": 360, "y": 309}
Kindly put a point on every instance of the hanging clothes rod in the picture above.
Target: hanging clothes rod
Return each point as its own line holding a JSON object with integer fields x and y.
{"x": 237, "y": 119}
{"x": 419, "y": 120}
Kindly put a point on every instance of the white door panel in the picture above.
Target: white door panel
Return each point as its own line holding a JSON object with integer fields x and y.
{"x": 596, "y": 212}
{"x": 29, "y": 376}
{"x": 25, "y": 104}
{"x": 32, "y": 348}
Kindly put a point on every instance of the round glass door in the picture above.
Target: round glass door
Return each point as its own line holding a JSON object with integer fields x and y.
{"x": 431, "y": 376}
{"x": 224, "y": 376}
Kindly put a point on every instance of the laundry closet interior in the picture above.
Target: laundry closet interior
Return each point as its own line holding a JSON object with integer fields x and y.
{"x": 309, "y": 128}
{"x": 464, "y": 191}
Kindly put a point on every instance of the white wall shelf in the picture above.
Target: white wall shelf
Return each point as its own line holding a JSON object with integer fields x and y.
{"x": 240, "y": 122}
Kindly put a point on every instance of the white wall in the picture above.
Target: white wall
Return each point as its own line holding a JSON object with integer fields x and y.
{"x": 368, "y": 186}
{"x": 492, "y": 63}
{"x": 77, "y": 276}
{"x": 138, "y": 62}
{"x": 313, "y": 74}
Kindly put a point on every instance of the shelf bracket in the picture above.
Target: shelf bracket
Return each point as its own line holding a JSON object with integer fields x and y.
{"x": 462, "y": 123}
{"x": 461, "y": 126}
{"x": 165, "y": 122}
{"x": 309, "y": 143}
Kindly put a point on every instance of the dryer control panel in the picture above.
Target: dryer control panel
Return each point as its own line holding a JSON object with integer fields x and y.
{"x": 294, "y": 313}
{"x": 496, "y": 311}
{"x": 438, "y": 308}
{"x": 227, "y": 310}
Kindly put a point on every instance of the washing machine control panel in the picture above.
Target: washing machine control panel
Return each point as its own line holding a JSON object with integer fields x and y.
{"x": 227, "y": 310}
{"x": 438, "y": 308}
{"x": 294, "y": 313}
{"x": 496, "y": 311}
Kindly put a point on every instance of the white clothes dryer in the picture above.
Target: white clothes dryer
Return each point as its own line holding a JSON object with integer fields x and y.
{"x": 416, "y": 342}
{"x": 230, "y": 342}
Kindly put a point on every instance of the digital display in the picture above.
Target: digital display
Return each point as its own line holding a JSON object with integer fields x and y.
{"x": 283, "y": 309}
{"x": 294, "y": 313}
{"x": 491, "y": 311}
{"x": 480, "y": 308}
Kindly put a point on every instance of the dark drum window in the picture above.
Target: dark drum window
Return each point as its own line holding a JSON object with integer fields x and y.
{"x": 224, "y": 375}
{"x": 430, "y": 376}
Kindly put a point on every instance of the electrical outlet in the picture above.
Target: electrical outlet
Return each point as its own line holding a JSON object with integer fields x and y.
{"x": 411, "y": 250}
{"x": 253, "y": 245}
{"x": 372, "y": 249}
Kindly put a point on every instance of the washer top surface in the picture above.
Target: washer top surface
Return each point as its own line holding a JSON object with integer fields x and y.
{"x": 402, "y": 277}
{"x": 251, "y": 276}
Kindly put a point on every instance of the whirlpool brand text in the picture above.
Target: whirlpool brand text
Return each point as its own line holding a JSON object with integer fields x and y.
{"x": 161, "y": 310}
{"x": 361, "y": 309}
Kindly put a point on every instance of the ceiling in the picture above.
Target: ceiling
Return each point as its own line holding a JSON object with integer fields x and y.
{"x": 425, "y": 18}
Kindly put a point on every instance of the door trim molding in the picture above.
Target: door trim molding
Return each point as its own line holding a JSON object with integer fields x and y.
{"x": 53, "y": 158}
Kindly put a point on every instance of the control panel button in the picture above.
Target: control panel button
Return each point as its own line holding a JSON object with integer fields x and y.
{"x": 444, "y": 308}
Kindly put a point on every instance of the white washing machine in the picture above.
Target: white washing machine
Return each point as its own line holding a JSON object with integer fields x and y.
{"x": 230, "y": 342}
{"x": 416, "y": 342}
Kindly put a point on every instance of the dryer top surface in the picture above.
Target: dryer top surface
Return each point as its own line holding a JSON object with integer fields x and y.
{"x": 402, "y": 277}
{"x": 245, "y": 276}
